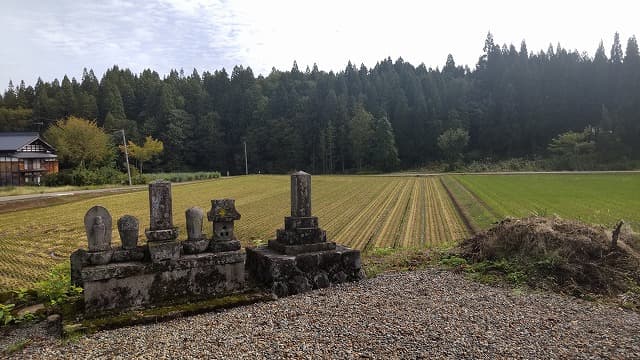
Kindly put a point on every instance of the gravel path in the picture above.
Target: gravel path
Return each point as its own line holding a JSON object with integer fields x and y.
{"x": 423, "y": 314}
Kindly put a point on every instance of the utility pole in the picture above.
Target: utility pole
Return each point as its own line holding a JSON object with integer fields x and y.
{"x": 126, "y": 155}
{"x": 246, "y": 167}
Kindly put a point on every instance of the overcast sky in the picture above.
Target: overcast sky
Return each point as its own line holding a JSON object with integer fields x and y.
{"x": 53, "y": 38}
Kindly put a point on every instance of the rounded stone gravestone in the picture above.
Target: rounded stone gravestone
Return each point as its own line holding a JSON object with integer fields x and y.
{"x": 128, "y": 227}
{"x": 97, "y": 223}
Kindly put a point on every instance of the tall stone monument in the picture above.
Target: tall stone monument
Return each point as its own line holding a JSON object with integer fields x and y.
{"x": 161, "y": 234}
{"x": 300, "y": 258}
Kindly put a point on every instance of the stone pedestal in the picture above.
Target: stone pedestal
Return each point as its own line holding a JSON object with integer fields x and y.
{"x": 294, "y": 274}
{"x": 300, "y": 258}
{"x": 137, "y": 284}
{"x": 164, "y": 271}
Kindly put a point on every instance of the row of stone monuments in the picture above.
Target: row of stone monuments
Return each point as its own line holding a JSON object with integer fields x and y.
{"x": 166, "y": 270}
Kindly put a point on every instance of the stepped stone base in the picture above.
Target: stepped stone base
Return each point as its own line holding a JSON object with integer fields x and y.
{"x": 135, "y": 284}
{"x": 292, "y": 274}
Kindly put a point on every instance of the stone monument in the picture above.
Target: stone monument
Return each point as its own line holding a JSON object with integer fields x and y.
{"x": 161, "y": 234}
{"x": 301, "y": 258}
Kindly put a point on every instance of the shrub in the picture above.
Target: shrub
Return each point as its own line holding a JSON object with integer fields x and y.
{"x": 57, "y": 288}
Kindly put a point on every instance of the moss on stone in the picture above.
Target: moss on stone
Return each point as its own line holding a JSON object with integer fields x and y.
{"x": 114, "y": 320}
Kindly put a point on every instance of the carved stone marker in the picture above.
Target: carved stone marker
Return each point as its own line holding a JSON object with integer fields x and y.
{"x": 128, "y": 227}
{"x": 223, "y": 213}
{"x": 196, "y": 241}
{"x": 301, "y": 258}
{"x": 161, "y": 234}
{"x": 301, "y": 232}
{"x": 160, "y": 206}
{"x": 97, "y": 223}
{"x": 195, "y": 216}
{"x": 300, "y": 194}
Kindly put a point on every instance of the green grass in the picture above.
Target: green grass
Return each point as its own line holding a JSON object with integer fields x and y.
{"x": 477, "y": 212}
{"x": 28, "y": 190}
{"x": 592, "y": 198}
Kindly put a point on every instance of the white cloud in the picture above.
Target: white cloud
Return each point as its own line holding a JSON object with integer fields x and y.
{"x": 50, "y": 39}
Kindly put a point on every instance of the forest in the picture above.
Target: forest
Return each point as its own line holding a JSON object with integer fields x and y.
{"x": 513, "y": 104}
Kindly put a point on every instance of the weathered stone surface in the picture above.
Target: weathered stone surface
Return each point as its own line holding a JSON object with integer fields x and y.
{"x": 128, "y": 227}
{"x": 54, "y": 325}
{"x": 223, "y": 210}
{"x": 162, "y": 235}
{"x": 33, "y": 309}
{"x": 126, "y": 255}
{"x": 321, "y": 280}
{"x": 163, "y": 251}
{"x": 191, "y": 277}
{"x": 301, "y": 236}
{"x": 223, "y": 231}
{"x": 283, "y": 273}
{"x": 288, "y": 249}
{"x": 97, "y": 224}
{"x": 299, "y": 284}
{"x": 78, "y": 259}
{"x": 195, "y": 216}
{"x": 195, "y": 246}
{"x": 223, "y": 213}
{"x": 293, "y": 223}
{"x": 300, "y": 194}
{"x": 160, "y": 205}
{"x": 100, "y": 257}
{"x": 218, "y": 246}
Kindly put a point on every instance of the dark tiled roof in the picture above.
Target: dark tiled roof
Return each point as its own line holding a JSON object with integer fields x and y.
{"x": 16, "y": 140}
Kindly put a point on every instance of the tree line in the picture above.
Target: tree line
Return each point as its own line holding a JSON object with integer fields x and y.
{"x": 513, "y": 103}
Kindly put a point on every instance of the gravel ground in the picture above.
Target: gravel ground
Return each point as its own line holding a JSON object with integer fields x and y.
{"x": 423, "y": 314}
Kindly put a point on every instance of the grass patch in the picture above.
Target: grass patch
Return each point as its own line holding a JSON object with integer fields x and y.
{"x": 31, "y": 190}
{"x": 591, "y": 198}
{"x": 379, "y": 260}
{"x": 478, "y": 213}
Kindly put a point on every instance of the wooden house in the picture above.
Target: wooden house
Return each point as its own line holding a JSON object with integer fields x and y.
{"x": 25, "y": 158}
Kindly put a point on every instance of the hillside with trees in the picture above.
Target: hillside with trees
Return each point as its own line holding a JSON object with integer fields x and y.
{"x": 583, "y": 111}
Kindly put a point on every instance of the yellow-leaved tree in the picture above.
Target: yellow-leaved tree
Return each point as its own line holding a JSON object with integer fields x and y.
{"x": 146, "y": 152}
{"x": 80, "y": 143}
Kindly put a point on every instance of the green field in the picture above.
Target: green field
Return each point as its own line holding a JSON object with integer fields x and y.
{"x": 593, "y": 198}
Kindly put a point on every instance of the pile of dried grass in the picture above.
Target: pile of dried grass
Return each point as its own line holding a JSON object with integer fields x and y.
{"x": 567, "y": 255}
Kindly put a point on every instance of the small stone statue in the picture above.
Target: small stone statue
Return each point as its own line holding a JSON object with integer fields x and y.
{"x": 128, "y": 227}
{"x": 97, "y": 223}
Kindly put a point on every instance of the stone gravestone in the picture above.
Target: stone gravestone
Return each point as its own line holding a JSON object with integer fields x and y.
{"x": 128, "y": 227}
{"x": 301, "y": 232}
{"x": 97, "y": 224}
{"x": 196, "y": 241}
{"x": 161, "y": 234}
{"x": 223, "y": 213}
{"x": 301, "y": 258}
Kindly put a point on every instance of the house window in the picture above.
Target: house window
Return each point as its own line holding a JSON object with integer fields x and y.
{"x": 33, "y": 148}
